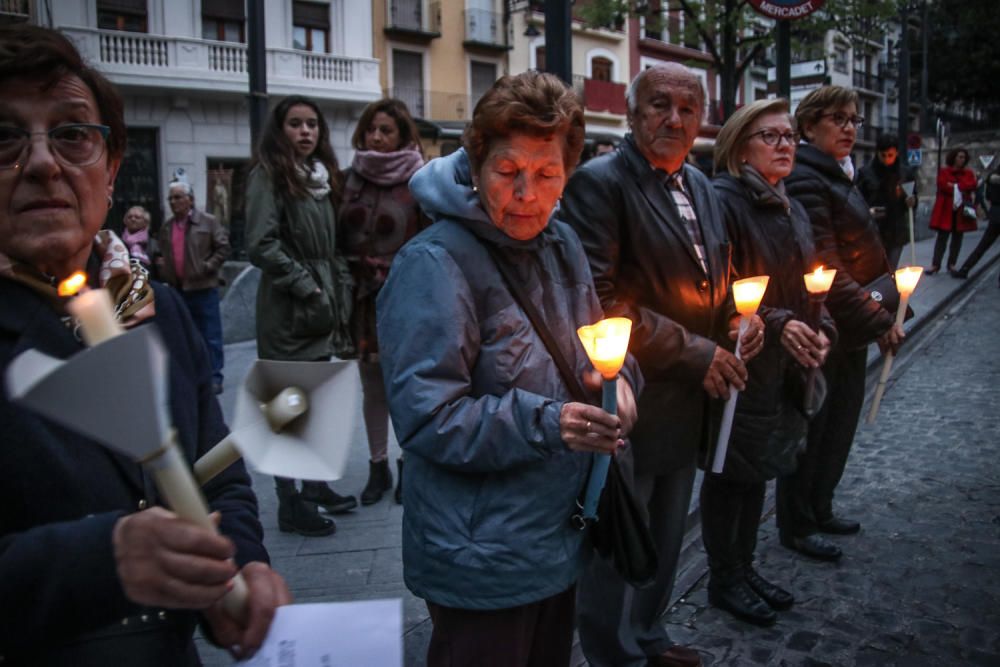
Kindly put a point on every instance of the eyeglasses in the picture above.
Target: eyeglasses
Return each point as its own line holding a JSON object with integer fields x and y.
{"x": 77, "y": 145}
{"x": 841, "y": 119}
{"x": 774, "y": 138}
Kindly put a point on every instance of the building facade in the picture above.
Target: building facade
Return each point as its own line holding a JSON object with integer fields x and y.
{"x": 181, "y": 67}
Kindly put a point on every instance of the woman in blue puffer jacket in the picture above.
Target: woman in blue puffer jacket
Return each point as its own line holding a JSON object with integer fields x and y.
{"x": 497, "y": 451}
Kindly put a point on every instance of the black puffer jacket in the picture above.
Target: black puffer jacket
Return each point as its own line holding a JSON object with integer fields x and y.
{"x": 846, "y": 239}
{"x": 768, "y": 239}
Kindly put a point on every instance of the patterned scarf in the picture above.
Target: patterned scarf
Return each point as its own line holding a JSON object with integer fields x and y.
{"x": 123, "y": 276}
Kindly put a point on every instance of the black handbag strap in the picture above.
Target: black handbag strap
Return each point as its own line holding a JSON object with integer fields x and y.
{"x": 516, "y": 289}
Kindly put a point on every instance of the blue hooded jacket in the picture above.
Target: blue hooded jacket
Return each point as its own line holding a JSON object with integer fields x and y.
{"x": 475, "y": 400}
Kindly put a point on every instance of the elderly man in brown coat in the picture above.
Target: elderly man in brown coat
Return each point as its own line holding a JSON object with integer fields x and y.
{"x": 193, "y": 246}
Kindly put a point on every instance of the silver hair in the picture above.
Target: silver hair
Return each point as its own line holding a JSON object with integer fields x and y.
{"x": 188, "y": 189}
{"x": 632, "y": 94}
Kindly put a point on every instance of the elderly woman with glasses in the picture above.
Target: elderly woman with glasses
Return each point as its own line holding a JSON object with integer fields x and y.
{"x": 771, "y": 235}
{"x": 848, "y": 240}
{"x": 92, "y": 570}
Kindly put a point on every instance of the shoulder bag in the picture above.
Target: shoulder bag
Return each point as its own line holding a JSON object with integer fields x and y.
{"x": 620, "y": 533}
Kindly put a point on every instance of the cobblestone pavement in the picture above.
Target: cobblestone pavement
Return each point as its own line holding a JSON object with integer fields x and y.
{"x": 920, "y": 585}
{"x": 363, "y": 559}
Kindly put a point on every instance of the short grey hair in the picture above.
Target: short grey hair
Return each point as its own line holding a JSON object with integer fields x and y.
{"x": 188, "y": 189}
{"x": 632, "y": 94}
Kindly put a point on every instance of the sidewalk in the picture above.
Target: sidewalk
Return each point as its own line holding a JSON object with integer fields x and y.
{"x": 363, "y": 559}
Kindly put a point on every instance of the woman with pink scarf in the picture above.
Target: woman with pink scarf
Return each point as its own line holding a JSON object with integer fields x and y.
{"x": 378, "y": 215}
{"x": 136, "y": 234}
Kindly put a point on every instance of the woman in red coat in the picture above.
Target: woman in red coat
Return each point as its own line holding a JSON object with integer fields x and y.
{"x": 948, "y": 218}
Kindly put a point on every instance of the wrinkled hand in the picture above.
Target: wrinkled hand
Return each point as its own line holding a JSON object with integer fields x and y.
{"x": 724, "y": 371}
{"x": 166, "y": 561}
{"x": 627, "y": 410}
{"x": 806, "y": 346}
{"x": 266, "y": 591}
{"x": 587, "y": 428}
{"x": 890, "y": 341}
{"x": 753, "y": 339}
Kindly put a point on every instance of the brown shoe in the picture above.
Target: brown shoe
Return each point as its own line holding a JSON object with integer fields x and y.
{"x": 676, "y": 656}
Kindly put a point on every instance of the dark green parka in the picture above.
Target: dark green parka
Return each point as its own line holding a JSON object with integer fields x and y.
{"x": 303, "y": 302}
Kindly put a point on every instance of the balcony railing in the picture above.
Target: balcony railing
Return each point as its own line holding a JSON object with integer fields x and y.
{"x": 869, "y": 81}
{"x": 409, "y": 16}
{"x": 483, "y": 27}
{"x": 600, "y": 96}
{"x": 137, "y": 59}
{"x": 15, "y": 9}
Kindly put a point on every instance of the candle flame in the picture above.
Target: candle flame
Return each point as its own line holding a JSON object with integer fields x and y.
{"x": 73, "y": 284}
{"x": 606, "y": 344}
{"x": 906, "y": 279}
{"x": 820, "y": 280}
{"x": 747, "y": 294}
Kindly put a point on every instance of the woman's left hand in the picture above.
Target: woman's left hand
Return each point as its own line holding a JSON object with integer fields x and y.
{"x": 587, "y": 428}
{"x": 753, "y": 340}
{"x": 266, "y": 591}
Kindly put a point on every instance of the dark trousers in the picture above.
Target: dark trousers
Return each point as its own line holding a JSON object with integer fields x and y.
{"x": 942, "y": 241}
{"x": 730, "y": 516}
{"x": 620, "y": 625}
{"x": 805, "y": 498}
{"x": 203, "y": 304}
{"x": 539, "y": 634}
{"x": 989, "y": 236}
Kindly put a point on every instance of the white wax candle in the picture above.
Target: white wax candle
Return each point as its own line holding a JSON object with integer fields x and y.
{"x": 97, "y": 319}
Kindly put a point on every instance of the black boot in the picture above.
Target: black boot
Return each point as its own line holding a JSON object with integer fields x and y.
{"x": 379, "y": 481}
{"x": 398, "y": 495}
{"x": 295, "y": 515}
{"x": 739, "y": 600}
{"x": 327, "y": 498}
{"x": 775, "y": 596}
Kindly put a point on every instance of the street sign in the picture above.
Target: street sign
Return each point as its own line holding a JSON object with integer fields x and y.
{"x": 986, "y": 161}
{"x": 914, "y": 157}
{"x": 914, "y": 140}
{"x": 788, "y": 10}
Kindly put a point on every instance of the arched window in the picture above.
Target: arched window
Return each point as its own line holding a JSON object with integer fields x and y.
{"x": 601, "y": 68}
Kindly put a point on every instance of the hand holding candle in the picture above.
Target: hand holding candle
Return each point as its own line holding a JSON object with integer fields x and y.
{"x": 747, "y": 294}
{"x": 91, "y": 308}
{"x": 818, "y": 285}
{"x": 906, "y": 281}
{"x": 606, "y": 344}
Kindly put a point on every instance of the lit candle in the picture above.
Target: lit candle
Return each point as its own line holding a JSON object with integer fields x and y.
{"x": 906, "y": 281}
{"x": 747, "y": 294}
{"x": 606, "y": 344}
{"x": 818, "y": 285}
{"x": 819, "y": 281}
{"x": 91, "y": 308}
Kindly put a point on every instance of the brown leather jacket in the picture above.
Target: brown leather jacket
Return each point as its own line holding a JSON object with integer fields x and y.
{"x": 206, "y": 246}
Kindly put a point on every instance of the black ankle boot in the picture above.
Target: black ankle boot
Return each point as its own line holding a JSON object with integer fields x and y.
{"x": 739, "y": 600}
{"x": 379, "y": 481}
{"x": 295, "y": 515}
{"x": 327, "y": 498}
{"x": 399, "y": 482}
{"x": 775, "y": 596}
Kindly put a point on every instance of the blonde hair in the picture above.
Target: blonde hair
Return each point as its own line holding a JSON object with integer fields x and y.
{"x": 817, "y": 102}
{"x": 735, "y": 133}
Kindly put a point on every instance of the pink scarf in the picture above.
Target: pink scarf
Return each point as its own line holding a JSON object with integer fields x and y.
{"x": 136, "y": 244}
{"x": 387, "y": 169}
